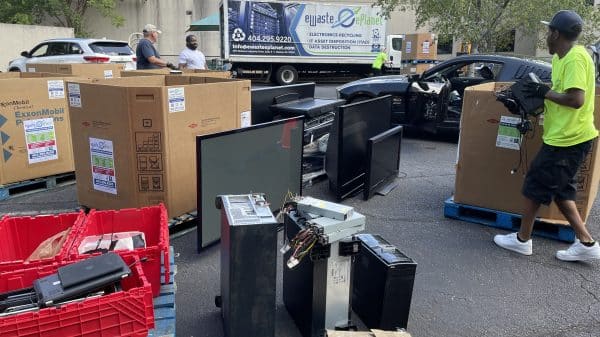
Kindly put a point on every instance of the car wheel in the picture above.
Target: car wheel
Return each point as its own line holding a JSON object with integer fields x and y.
{"x": 15, "y": 70}
{"x": 286, "y": 75}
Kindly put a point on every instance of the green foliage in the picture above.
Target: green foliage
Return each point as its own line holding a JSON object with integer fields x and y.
{"x": 485, "y": 22}
{"x": 66, "y": 13}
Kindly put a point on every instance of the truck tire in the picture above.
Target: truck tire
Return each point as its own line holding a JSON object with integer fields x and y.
{"x": 286, "y": 75}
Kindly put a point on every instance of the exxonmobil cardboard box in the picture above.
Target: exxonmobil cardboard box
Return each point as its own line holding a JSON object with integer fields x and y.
{"x": 166, "y": 71}
{"x": 85, "y": 70}
{"x": 34, "y": 127}
{"x": 134, "y": 137}
{"x": 493, "y": 158}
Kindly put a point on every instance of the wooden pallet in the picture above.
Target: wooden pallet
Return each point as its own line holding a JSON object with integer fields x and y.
{"x": 164, "y": 304}
{"x": 505, "y": 220}
{"x": 35, "y": 185}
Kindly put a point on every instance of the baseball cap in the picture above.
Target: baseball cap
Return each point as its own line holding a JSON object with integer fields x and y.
{"x": 149, "y": 28}
{"x": 566, "y": 21}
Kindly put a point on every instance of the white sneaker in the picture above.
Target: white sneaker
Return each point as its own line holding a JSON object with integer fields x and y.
{"x": 578, "y": 252}
{"x": 510, "y": 242}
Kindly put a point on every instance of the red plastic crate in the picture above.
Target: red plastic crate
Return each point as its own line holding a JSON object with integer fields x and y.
{"x": 125, "y": 313}
{"x": 152, "y": 221}
{"x": 20, "y": 236}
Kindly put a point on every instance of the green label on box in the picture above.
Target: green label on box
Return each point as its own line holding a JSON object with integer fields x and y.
{"x": 509, "y": 136}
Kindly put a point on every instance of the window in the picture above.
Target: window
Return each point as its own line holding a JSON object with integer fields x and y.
{"x": 111, "y": 48}
{"x": 40, "y": 50}
{"x": 57, "y": 48}
{"x": 74, "y": 48}
{"x": 397, "y": 43}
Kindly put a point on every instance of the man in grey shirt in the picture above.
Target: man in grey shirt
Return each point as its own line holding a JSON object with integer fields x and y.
{"x": 147, "y": 56}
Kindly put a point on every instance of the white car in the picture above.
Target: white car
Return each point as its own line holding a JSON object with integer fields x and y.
{"x": 76, "y": 50}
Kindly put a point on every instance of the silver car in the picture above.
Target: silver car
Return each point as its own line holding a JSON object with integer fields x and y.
{"x": 76, "y": 50}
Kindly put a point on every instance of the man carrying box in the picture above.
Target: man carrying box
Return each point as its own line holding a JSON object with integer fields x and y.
{"x": 569, "y": 133}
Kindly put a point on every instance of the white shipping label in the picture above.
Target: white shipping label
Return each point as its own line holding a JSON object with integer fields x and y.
{"x": 245, "y": 119}
{"x": 176, "y": 99}
{"x": 56, "y": 89}
{"x": 425, "y": 47}
{"x": 40, "y": 137}
{"x": 108, "y": 74}
{"x": 31, "y": 70}
{"x": 74, "y": 95}
{"x": 103, "y": 165}
{"x": 509, "y": 136}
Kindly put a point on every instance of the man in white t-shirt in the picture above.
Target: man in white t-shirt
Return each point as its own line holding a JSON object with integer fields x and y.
{"x": 191, "y": 57}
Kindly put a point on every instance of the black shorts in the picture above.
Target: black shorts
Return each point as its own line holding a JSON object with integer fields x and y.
{"x": 552, "y": 172}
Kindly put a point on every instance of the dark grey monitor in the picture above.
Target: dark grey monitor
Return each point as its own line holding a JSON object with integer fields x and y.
{"x": 263, "y": 98}
{"x": 346, "y": 153}
{"x": 383, "y": 162}
{"x": 265, "y": 158}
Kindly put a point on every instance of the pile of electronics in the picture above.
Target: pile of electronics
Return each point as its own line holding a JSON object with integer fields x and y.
{"x": 82, "y": 272}
{"x": 329, "y": 268}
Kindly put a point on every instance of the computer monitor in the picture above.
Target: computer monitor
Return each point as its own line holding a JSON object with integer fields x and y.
{"x": 383, "y": 162}
{"x": 353, "y": 125}
{"x": 264, "y": 158}
{"x": 263, "y": 98}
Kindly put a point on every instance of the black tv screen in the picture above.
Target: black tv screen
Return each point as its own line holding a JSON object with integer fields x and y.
{"x": 263, "y": 98}
{"x": 383, "y": 161}
{"x": 265, "y": 158}
{"x": 346, "y": 153}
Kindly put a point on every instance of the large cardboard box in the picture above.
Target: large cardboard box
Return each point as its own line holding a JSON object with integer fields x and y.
{"x": 419, "y": 46}
{"x": 16, "y": 74}
{"x": 135, "y": 137}
{"x": 166, "y": 71}
{"x": 488, "y": 154}
{"x": 34, "y": 127}
{"x": 85, "y": 70}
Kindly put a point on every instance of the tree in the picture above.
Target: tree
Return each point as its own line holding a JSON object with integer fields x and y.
{"x": 484, "y": 22}
{"x": 65, "y": 13}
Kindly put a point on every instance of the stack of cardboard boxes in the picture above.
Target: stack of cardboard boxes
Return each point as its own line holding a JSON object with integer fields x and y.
{"x": 493, "y": 157}
{"x": 84, "y": 70}
{"x": 419, "y": 53}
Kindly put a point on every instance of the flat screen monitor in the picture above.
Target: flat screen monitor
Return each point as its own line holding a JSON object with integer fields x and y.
{"x": 265, "y": 158}
{"x": 353, "y": 125}
{"x": 383, "y": 161}
{"x": 263, "y": 98}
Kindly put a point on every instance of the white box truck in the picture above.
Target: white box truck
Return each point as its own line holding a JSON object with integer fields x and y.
{"x": 283, "y": 39}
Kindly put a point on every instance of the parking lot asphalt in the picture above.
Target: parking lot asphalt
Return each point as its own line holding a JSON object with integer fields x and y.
{"x": 465, "y": 286}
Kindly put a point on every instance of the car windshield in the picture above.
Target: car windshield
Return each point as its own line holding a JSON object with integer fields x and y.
{"x": 111, "y": 48}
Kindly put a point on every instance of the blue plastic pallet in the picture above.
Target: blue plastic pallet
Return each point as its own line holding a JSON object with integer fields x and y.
{"x": 35, "y": 185}
{"x": 164, "y": 304}
{"x": 505, "y": 220}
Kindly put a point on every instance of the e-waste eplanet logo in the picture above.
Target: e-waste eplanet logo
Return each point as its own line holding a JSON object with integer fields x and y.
{"x": 238, "y": 35}
{"x": 345, "y": 18}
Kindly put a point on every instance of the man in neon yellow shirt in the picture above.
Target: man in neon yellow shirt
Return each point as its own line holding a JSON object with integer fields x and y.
{"x": 380, "y": 59}
{"x": 568, "y": 136}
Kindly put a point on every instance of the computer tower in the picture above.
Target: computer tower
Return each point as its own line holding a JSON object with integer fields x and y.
{"x": 383, "y": 284}
{"x": 248, "y": 266}
{"x": 316, "y": 293}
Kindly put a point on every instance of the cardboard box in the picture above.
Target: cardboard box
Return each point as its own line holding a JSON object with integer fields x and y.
{"x": 420, "y": 46}
{"x": 135, "y": 137}
{"x": 415, "y": 68}
{"x": 16, "y": 74}
{"x": 34, "y": 127}
{"x": 372, "y": 333}
{"x": 85, "y": 70}
{"x": 166, "y": 71}
{"x": 488, "y": 152}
